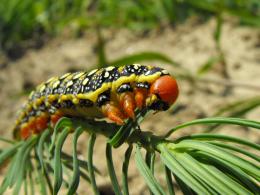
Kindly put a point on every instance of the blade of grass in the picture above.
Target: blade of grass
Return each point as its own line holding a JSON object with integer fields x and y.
{"x": 204, "y": 68}
{"x": 91, "y": 167}
{"x": 57, "y": 160}
{"x": 125, "y": 169}
{"x": 24, "y": 166}
{"x": 236, "y": 109}
{"x": 25, "y": 186}
{"x": 81, "y": 173}
{"x": 237, "y": 149}
{"x": 5, "y": 154}
{"x": 6, "y": 181}
{"x": 143, "y": 56}
{"x": 168, "y": 176}
{"x": 111, "y": 170}
{"x": 102, "y": 61}
{"x": 217, "y": 33}
{"x": 226, "y": 167}
{"x": 41, "y": 142}
{"x": 194, "y": 174}
{"x": 22, "y": 154}
{"x": 184, "y": 188}
{"x": 240, "y": 107}
{"x": 41, "y": 180}
{"x": 123, "y": 133}
{"x": 83, "y": 164}
{"x": 194, "y": 167}
{"x": 18, "y": 183}
{"x": 7, "y": 140}
{"x": 75, "y": 178}
{"x": 225, "y": 179}
{"x": 44, "y": 169}
{"x": 63, "y": 122}
{"x": 169, "y": 7}
{"x": 177, "y": 169}
{"x": 32, "y": 183}
{"x": 220, "y": 137}
{"x": 67, "y": 172}
{"x": 248, "y": 167}
{"x": 149, "y": 160}
{"x": 152, "y": 183}
{"x": 219, "y": 120}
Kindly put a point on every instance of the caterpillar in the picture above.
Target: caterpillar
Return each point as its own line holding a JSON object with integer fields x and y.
{"x": 113, "y": 93}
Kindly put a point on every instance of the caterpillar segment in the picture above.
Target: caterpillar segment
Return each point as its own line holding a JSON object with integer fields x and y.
{"x": 112, "y": 92}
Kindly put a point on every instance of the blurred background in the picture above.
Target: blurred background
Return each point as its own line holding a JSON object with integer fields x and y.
{"x": 212, "y": 47}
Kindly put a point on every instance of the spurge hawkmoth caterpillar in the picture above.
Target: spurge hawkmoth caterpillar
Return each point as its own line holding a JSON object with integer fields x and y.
{"x": 112, "y": 92}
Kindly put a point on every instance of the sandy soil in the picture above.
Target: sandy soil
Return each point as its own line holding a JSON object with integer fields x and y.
{"x": 190, "y": 45}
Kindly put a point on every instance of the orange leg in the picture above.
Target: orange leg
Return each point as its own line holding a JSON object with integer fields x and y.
{"x": 113, "y": 113}
{"x": 140, "y": 96}
{"x": 28, "y": 128}
{"x": 32, "y": 125}
{"x": 25, "y": 132}
{"x": 41, "y": 123}
{"x": 55, "y": 117}
{"x": 128, "y": 103}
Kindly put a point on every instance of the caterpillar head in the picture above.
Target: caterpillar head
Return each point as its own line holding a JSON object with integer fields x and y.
{"x": 163, "y": 93}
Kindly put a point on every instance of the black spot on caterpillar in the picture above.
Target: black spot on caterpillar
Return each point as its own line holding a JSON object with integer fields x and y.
{"x": 112, "y": 92}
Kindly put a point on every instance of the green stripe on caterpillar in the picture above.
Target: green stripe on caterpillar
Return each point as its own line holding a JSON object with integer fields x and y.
{"x": 112, "y": 92}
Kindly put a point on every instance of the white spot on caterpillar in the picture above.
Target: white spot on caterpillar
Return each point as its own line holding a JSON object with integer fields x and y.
{"x": 85, "y": 81}
{"x": 65, "y": 75}
{"x": 31, "y": 94}
{"x": 147, "y": 72}
{"x": 51, "y": 79}
{"x": 42, "y": 88}
{"x": 165, "y": 72}
{"x": 110, "y": 68}
{"x": 78, "y": 75}
{"x": 56, "y": 84}
{"x": 92, "y": 72}
{"x": 69, "y": 84}
{"x": 136, "y": 66}
{"x": 106, "y": 75}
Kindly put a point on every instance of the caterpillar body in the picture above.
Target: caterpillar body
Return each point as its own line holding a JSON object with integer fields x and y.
{"x": 112, "y": 92}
